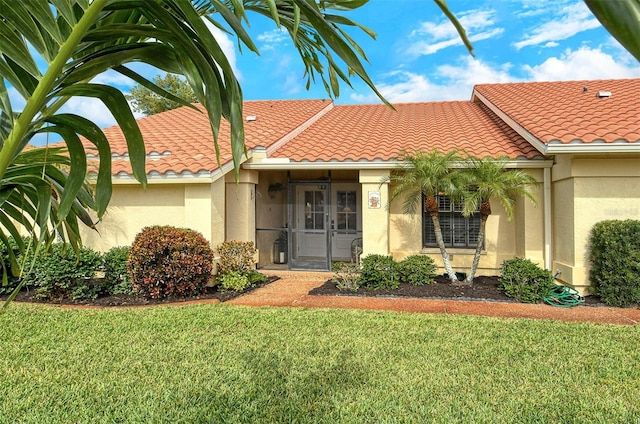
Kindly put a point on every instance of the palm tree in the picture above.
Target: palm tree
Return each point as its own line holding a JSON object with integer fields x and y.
{"x": 422, "y": 177}
{"x": 488, "y": 179}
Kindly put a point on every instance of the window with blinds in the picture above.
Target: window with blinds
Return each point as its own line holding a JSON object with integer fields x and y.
{"x": 457, "y": 230}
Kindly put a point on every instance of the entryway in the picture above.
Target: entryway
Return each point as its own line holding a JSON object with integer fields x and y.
{"x": 324, "y": 220}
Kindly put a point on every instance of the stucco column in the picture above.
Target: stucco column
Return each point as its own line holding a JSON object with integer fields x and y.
{"x": 218, "y": 208}
{"x": 375, "y": 217}
{"x": 241, "y": 206}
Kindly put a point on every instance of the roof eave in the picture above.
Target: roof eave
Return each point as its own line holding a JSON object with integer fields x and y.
{"x": 553, "y": 149}
{"x": 282, "y": 165}
{"x": 154, "y": 177}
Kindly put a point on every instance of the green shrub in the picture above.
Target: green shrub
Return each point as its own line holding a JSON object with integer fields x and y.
{"x": 346, "y": 276}
{"x": 168, "y": 261}
{"x": 417, "y": 270}
{"x": 234, "y": 280}
{"x": 239, "y": 281}
{"x": 379, "y": 272}
{"x": 236, "y": 256}
{"x": 525, "y": 281}
{"x": 615, "y": 261}
{"x": 61, "y": 273}
{"x": 116, "y": 279}
{"x": 257, "y": 278}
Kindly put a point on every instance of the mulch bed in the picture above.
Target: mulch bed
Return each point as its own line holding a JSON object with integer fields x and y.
{"x": 134, "y": 300}
{"x": 483, "y": 289}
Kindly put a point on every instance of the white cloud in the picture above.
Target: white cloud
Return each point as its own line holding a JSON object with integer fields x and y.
{"x": 474, "y": 71}
{"x": 87, "y": 107}
{"x": 479, "y": 25}
{"x": 113, "y": 78}
{"x": 286, "y": 74}
{"x": 426, "y": 48}
{"x": 572, "y": 19}
{"x": 584, "y": 63}
{"x": 293, "y": 83}
{"x": 455, "y": 82}
{"x": 450, "y": 83}
{"x": 227, "y": 46}
{"x": 271, "y": 39}
{"x": 90, "y": 108}
{"x": 532, "y": 8}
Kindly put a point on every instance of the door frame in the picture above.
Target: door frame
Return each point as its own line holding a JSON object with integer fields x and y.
{"x": 320, "y": 263}
{"x": 329, "y": 232}
{"x": 342, "y": 238}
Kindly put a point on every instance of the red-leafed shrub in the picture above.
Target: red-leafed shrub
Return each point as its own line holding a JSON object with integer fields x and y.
{"x": 168, "y": 261}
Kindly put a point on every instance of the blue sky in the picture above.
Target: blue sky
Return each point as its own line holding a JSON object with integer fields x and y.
{"x": 418, "y": 56}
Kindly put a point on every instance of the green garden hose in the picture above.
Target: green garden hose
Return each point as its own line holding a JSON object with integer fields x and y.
{"x": 563, "y": 297}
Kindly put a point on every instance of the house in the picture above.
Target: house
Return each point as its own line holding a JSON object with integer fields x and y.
{"x": 310, "y": 188}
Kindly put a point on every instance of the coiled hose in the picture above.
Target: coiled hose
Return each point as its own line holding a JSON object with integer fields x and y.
{"x": 563, "y": 297}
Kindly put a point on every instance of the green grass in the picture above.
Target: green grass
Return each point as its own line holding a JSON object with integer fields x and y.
{"x": 220, "y": 363}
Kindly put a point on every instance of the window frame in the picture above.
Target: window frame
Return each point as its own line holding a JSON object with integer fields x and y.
{"x": 451, "y": 222}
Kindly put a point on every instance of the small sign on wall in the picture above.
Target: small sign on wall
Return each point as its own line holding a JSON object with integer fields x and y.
{"x": 374, "y": 200}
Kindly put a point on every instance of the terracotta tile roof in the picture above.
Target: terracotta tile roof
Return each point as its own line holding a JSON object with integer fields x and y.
{"x": 376, "y": 132}
{"x": 181, "y": 140}
{"x": 564, "y": 112}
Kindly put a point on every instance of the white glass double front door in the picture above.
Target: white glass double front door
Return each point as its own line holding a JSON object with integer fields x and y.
{"x": 324, "y": 221}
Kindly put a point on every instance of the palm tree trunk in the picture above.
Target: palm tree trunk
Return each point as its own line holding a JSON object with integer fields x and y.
{"x": 443, "y": 249}
{"x": 476, "y": 257}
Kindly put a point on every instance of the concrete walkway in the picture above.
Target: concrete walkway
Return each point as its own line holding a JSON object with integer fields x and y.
{"x": 293, "y": 287}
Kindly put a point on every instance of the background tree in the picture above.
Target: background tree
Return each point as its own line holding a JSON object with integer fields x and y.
{"x": 149, "y": 102}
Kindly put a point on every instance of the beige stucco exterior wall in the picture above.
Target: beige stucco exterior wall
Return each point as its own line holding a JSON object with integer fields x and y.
{"x": 375, "y": 228}
{"x": 241, "y": 206}
{"x": 133, "y": 208}
{"x": 529, "y": 222}
{"x": 587, "y": 191}
{"x": 199, "y": 207}
{"x": 521, "y": 236}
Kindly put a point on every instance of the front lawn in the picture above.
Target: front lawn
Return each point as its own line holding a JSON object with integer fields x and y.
{"x": 223, "y": 363}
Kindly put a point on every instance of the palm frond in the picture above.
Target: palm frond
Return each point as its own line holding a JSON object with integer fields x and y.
{"x": 622, "y": 19}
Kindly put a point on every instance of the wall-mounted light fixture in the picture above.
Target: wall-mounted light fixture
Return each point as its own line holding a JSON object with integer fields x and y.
{"x": 274, "y": 189}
